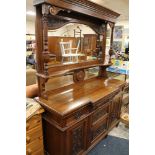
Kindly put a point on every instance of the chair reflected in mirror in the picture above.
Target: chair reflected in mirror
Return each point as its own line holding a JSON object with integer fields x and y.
{"x": 67, "y": 51}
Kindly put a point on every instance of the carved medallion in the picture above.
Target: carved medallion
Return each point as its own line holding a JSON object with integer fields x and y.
{"x": 78, "y": 75}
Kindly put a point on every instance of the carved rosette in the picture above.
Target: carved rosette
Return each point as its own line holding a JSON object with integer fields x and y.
{"x": 78, "y": 75}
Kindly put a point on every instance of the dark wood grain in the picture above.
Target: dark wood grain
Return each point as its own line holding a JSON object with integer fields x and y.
{"x": 78, "y": 115}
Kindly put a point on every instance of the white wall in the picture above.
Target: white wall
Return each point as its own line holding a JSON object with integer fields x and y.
{"x": 123, "y": 23}
{"x": 30, "y": 27}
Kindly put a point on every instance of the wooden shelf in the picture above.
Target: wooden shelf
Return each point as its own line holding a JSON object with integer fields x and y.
{"x": 71, "y": 97}
{"x": 63, "y": 72}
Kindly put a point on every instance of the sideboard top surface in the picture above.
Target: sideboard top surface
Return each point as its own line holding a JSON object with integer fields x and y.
{"x": 68, "y": 99}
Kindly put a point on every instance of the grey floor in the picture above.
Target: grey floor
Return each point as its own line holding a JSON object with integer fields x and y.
{"x": 117, "y": 143}
{"x": 121, "y": 131}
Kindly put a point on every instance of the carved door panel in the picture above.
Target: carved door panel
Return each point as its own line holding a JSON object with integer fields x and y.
{"x": 77, "y": 138}
{"x": 115, "y": 108}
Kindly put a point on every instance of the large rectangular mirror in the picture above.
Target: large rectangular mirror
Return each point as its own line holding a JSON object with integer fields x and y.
{"x": 73, "y": 43}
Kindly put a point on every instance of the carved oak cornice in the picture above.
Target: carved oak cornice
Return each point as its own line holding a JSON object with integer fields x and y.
{"x": 83, "y": 6}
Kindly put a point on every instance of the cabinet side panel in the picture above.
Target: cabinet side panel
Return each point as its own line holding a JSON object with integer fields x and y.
{"x": 53, "y": 139}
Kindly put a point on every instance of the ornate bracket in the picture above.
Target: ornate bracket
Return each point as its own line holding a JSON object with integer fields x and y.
{"x": 54, "y": 10}
{"x": 100, "y": 29}
{"x": 111, "y": 25}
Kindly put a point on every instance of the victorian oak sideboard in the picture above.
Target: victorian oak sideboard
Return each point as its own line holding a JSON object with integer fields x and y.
{"x": 78, "y": 115}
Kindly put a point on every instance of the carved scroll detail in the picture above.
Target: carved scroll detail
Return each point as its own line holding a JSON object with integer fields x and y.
{"x": 54, "y": 10}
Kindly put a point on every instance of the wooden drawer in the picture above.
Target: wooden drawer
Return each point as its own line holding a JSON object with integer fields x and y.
{"x": 99, "y": 128}
{"x": 77, "y": 115}
{"x": 102, "y": 102}
{"x": 100, "y": 112}
{"x": 33, "y": 122}
{"x": 33, "y": 134}
{"x": 34, "y": 146}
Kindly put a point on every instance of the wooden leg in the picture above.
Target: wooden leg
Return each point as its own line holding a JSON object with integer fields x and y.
{"x": 106, "y": 136}
{"x": 117, "y": 124}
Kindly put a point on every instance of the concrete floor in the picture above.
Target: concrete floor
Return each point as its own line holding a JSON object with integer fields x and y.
{"x": 121, "y": 131}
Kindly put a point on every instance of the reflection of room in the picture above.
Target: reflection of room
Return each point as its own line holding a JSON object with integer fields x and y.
{"x": 72, "y": 43}
{"x": 89, "y": 43}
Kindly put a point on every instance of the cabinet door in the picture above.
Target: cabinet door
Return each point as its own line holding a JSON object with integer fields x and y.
{"x": 115, "y": 108}
{"x": 77, "y": 138}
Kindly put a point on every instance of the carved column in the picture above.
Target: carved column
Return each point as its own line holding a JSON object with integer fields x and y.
{"x": 111, "y": 40}
{"x": 104, "y": 29}
{"x": 46, "y": 56}
{"x": 102, "y": 69}
{"x": 39, "y": 40}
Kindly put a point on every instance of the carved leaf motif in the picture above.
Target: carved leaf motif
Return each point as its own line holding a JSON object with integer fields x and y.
{"x": 54, "y": 23}
{"x": 77, "y": 141}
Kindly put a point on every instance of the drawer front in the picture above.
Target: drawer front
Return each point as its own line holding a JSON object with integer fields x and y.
{"x": 33, "y": 134}
{"x": 99, "y": 128}
{"x": 34, "y": 146}
{"x": 100, "y": 112}
{"x": 77, "y": 115}
{"x": 33, "y": 122}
